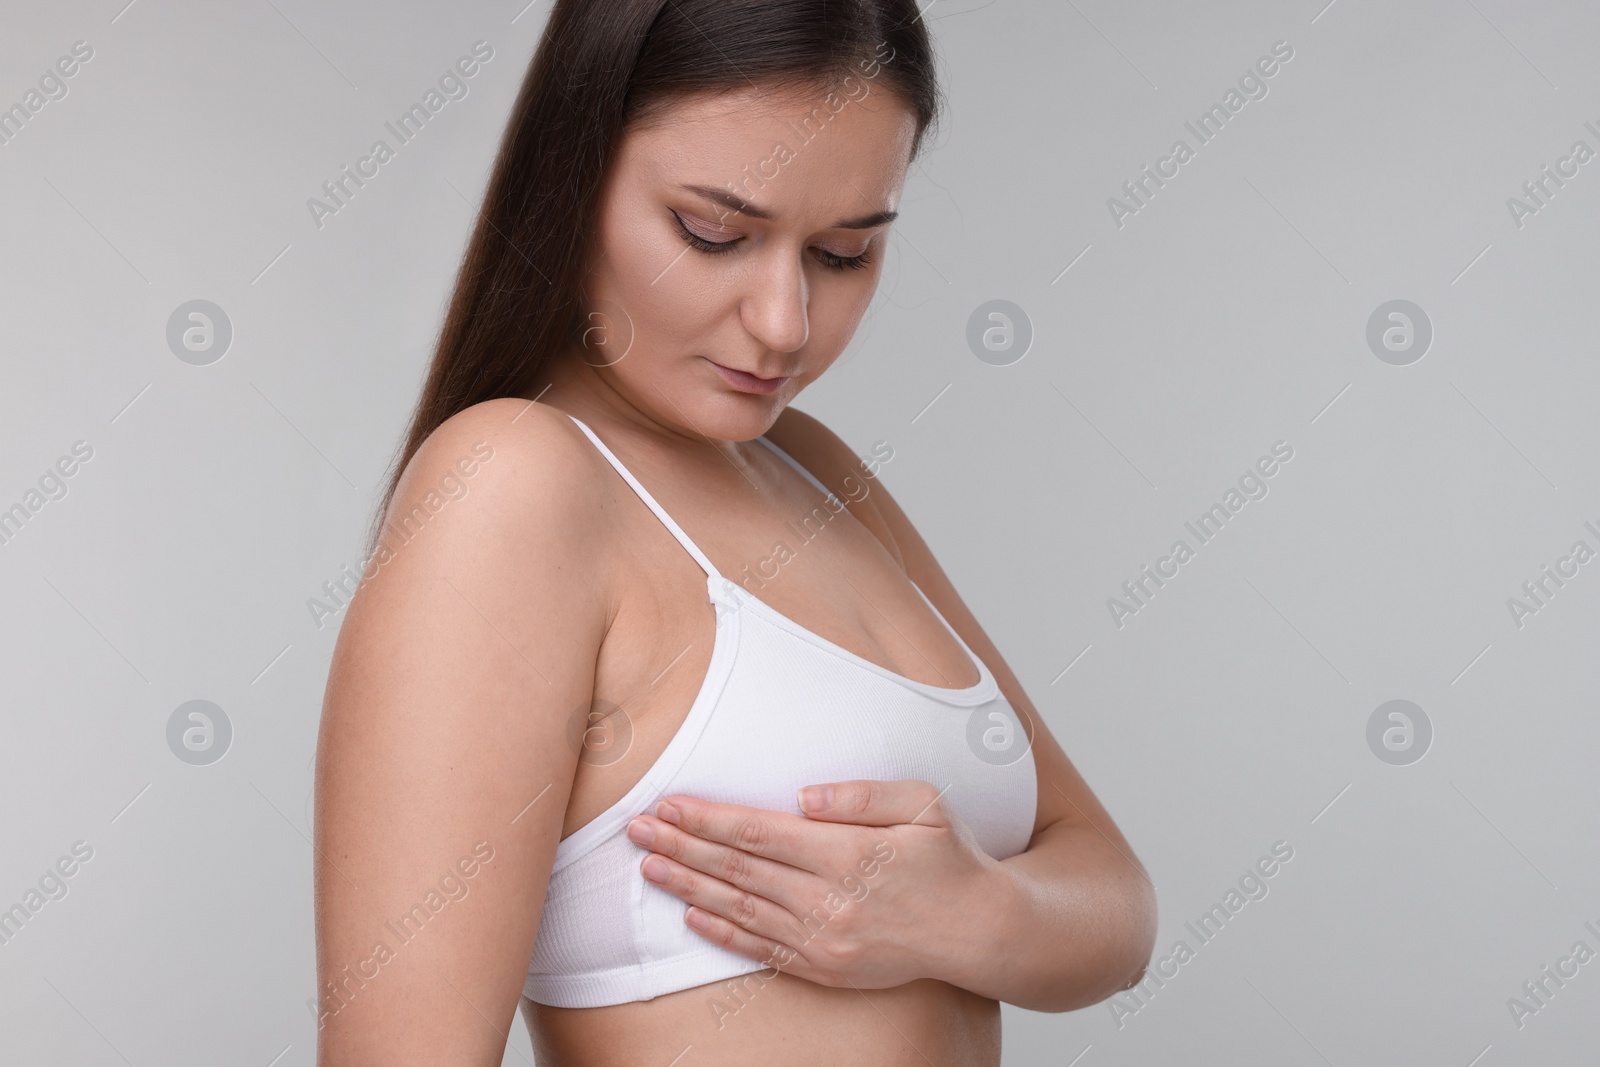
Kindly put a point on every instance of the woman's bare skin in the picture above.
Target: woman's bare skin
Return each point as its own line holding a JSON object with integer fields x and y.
{"x": 467, "y": 666}
{"x": 663, "y": 611}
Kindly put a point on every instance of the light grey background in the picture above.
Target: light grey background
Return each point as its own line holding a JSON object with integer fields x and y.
{"x": 1229, "y": 313}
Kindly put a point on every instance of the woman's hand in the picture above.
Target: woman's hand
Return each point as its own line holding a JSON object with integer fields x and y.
{"x": 878, "y": 884}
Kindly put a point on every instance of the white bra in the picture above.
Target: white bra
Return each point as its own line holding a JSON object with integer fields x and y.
{"x": 780, "y": 707}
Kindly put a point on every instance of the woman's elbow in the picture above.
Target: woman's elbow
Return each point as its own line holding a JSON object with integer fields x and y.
{"x": 1125, "y": 954}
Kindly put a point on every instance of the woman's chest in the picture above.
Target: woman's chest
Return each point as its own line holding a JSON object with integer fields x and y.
{"x": 839, "y": 590}
{"x": 778, "y": 707}
{"x": 790, "y": 713}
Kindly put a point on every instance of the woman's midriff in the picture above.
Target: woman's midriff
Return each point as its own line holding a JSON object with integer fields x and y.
{"x": 777, "y": 1021}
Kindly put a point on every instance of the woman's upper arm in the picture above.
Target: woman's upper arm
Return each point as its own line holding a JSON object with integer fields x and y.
{"x": 447, "y": 745}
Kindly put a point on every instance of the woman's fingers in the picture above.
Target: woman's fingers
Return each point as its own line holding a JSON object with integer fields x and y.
{"x": 746, "y": 922}
{"x": 718, "y": 930}
{"x": 741, "y": 870}
{"x": 774, "y": 835}
{"x": 873, "y": 802}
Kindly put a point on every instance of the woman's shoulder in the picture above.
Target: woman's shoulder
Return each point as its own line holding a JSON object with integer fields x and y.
{"x": 522, "y": 427}
{"x": 529, "y": 452}
{"x": 500, "y": 474}
{"x": 836, "y": 465}
{"x": 490, "y": 545}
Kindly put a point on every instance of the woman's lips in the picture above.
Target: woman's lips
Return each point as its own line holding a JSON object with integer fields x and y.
{"x": 747, "y": 383}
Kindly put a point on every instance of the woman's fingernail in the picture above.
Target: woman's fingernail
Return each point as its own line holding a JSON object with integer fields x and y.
{"x": 666, "y": 812}
{"x": 698, "y": 919}
{"x": 641, "y": 832}
{"x": 655, "y": 869}
{"x": 816, "y": 797}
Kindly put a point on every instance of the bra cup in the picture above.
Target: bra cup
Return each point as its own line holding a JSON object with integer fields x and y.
{"x": 787, "y": 714}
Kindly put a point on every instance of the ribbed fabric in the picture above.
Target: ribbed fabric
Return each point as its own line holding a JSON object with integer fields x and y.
{"x": 780, "y": 707}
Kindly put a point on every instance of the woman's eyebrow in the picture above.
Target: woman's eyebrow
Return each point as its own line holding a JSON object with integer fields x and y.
{"x": 734, "y": 203}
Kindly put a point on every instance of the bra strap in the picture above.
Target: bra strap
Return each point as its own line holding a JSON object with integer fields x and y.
{"x": 649, "y": 501}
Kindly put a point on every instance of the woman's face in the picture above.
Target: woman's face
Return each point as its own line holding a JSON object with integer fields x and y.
{"x": 741, "y": 237}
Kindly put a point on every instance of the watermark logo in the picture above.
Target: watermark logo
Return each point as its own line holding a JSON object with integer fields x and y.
{"x": 996, "y": 735}
{"x": 199, "y": 732}
{"x": 999, "y": 332}
{"x": 199, "y": 332}
{"x": 1399, "y": 332}
{"x": 607, "y": 333}
{"x": 600, "y": 732}
{"x": 1399, "y": 732}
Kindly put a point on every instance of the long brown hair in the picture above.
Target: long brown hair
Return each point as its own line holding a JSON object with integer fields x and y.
{"x": 600, "y": 66}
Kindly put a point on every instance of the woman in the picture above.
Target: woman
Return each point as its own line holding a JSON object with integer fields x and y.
{"x": 562, "y": 746}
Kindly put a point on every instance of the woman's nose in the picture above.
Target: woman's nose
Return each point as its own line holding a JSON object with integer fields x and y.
{"x": 774, "y": 307}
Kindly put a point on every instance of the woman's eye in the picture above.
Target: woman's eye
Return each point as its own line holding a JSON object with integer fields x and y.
{"x": 831, "y": 260}
{"x": 700, "y": 242}
{"x": 838, "y": 262}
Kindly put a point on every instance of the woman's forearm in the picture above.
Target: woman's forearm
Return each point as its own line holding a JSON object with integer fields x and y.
{"x": 1061, "y": 926}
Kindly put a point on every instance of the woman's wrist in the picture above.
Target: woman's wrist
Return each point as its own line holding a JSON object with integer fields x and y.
{"x": 975, "y": 943}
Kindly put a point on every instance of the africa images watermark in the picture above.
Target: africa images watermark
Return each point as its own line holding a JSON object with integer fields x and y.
{"x": 813, "y": 124}
{"x": 738, "y": 990}
{"x": 1541, "y": 589}
{"x": 1212, "y": 121}
{"x": 452, "y": 86}
{"x": 1252, "y": 486}
{"x": 1537, "y": 994}
{"x": 336, "y": 994}
{"x": 52, "y": 886}
{"x": 452, "y": 486}
{"x": 815, "y": 522}
{"x": 1252, "y": 886}
{"x": 52, "y": 486}
{"x": 1539, "y": 191}
{"x": 52, "y": 86}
